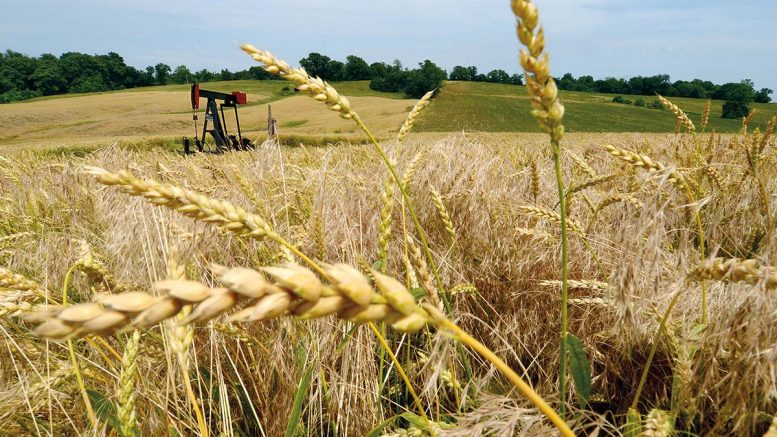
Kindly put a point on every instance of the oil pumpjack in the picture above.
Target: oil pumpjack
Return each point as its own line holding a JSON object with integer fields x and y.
{"x": 215, "y": 123}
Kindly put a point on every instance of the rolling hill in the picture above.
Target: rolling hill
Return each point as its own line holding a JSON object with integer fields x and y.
{"x": 89, "y": 120}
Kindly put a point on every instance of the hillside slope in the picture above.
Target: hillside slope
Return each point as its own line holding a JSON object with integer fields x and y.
{"x": 87, "y": 120}
{"x": 478, "y": 106}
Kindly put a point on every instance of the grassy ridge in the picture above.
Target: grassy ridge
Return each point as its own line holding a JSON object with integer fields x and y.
{"x": 477, "y": 106}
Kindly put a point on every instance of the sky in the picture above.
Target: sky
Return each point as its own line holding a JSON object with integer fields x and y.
{"x": 717, "y": 40}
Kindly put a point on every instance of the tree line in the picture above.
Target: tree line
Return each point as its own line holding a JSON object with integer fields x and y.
{"x": 23, "y": 77}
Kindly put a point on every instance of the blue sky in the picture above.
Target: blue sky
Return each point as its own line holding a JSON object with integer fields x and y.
{"x": 718, "y": 40}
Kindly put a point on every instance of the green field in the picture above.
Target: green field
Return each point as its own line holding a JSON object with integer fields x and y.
{"x": 487, "y": 107}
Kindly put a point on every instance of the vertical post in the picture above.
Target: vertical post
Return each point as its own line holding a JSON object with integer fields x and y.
{"x": 272, "y": 128}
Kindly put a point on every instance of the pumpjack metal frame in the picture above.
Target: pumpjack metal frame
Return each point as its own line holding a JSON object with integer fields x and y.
{"x": 214, "y": 115}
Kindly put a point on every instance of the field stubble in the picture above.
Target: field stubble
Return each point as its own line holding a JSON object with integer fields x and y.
{"x": 324, "y": 200}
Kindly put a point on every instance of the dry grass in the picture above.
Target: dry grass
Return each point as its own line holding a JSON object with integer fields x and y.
{"x": 334, "y": 192}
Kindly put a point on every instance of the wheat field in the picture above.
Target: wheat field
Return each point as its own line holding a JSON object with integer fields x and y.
{"x": 433, "y": 284}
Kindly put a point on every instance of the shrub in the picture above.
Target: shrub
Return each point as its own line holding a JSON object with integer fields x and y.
{"x": 655, "y": 104}
{"x": 426, "y": 78}
{"x": 640, "y": 102}
{"x": 618, "y": 99}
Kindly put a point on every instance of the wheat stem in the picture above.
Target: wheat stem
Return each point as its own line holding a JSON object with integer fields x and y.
{"x": 71, "y": 350}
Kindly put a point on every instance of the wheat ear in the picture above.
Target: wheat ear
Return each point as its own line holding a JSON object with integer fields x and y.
{"x": 543, "y": 92}
{"x": 542, "y": 213}
{"x": 189, "y": 203}
{"x": 645, "y": 162}
{"x": 296, "y": 290}
{"x": 96, "y": 271}
{"x": 442, "y": 211}
{"x": 126, "y": 398}
{"x": 535, "y": 179}
{"x": 314, "y": 86}
{"x": 580, "y": 162}
{"x": 705, "y": 116}
{"x": 549, "y": 112}
{"x": 682, "y": 117}
{"x": 384, "y": 227}
{"x": 736, "y": 270}
{"x": 413, "y": 116}
{"x": 419, "y": 264}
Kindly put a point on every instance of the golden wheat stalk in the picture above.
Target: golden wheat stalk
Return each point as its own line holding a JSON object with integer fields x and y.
{"x": 96, "y": 271}
{"x": 645, "y": 162}
{"x": 189, "y": 203}
{"x": 682, "y": 117}
{"x": 296, "y": 290}
{"x": 413, "y": 116}
{"x": 412, "y": 168}
{"x": 543, "y": 92}
{"x": 586, "y": 284}
{"x": 419, "y": 264}
{"x": 580, "y": 162}
{"x": 535, "y": 178}
{"x": 314, "y": 86}
{"x": 384, "y": 227}
{"x": 658, "y": 423}
{"x": 442, "y": 211}
{"x": 14, "y": 281}
{"x": 714, "y": 175}
{"x": 542, "y": 213}
{"x": 750, "y": 271}
{"x": 705, "y": 116}
{"x": 592, "y": 182}
{"x": 615, "y": 198}
{"x": 125, "y": 412}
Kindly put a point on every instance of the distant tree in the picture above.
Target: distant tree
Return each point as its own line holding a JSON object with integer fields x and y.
{"x": 181, "y": 74}
{"x": 762, "y": 96}
{"x": 204, "y": 75}
{"x": 316, "y": 64}
{"x": 689, "y": 89}
{"x": 162, "y": 73}
{"x": 516, "y": 79}
{"x": 464, "y": 73}
{"x": 567, "y": 82}
{"x": 89, "y": 84}
{"x": 335, "y": 70}
{"x": 258, "y": 73}
{"x": 426, "y": 78}
{"x": 378, "y": 69}
{"x": 611, "y": 85}
{"x": 225, "y": 74}
{"x": 357, "y": 68}
{"x": 498, "y": 76}
{"x": 47, "y": 77}
{"x": 738, "y": 97}
{"x": 393, "y": 81}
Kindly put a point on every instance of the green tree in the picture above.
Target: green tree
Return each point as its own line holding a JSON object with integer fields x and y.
{"x": 464, "y": 73}
{"x": 498, "y": 76}
{"x": 181, "y": 74}
{"x": 738, "y": 97}
{"x": 357, "y": 68}
{"x": 335, "y": 70}
{"x": 762, "y": 96}
{"x": 426, "y": 78}
{"x": 162, "y": 73}
{"x": 47, "y": 77}
{"x": 315, "y": 64}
